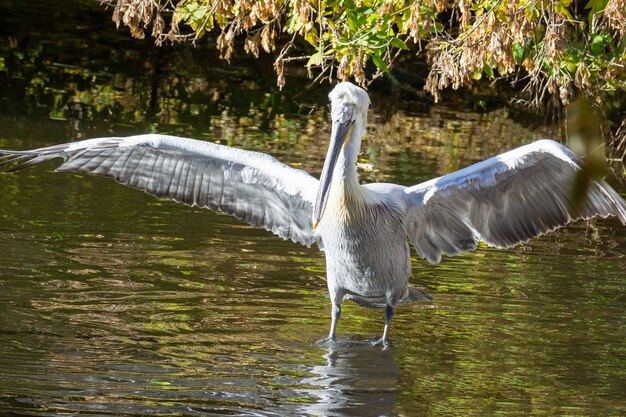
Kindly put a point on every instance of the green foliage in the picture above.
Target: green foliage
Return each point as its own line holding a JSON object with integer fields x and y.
{"x": 557, "y": 46}
{"x": 552, "y": 48}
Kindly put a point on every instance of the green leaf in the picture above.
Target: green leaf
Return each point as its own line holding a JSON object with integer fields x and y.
{"x": 294, "y": 24}
{"x": 311, "y": 36}
{"x": 594, "y": 7}
{"x": 571, "y": 67}
{"x": 379, "y": 62}
{"x": 315, "y": 59}
{"x": 561, "y": 8}
{"x": 488, "y": 70}
{"x": 372, "y": 19}
{"x": 518, "y": 52}
{"x": 597, "y": 45}
{"x": 398, "y": 43}
{"x": 353, "y": 22}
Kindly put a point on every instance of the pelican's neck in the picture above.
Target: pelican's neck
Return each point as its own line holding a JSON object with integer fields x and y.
{"x": 346, "y": 175}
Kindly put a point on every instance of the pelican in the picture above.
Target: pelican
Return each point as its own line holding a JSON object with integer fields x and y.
{"x": 364, "y": 230}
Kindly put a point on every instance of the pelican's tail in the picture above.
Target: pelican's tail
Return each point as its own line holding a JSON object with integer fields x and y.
{"x": 415, "y": 294}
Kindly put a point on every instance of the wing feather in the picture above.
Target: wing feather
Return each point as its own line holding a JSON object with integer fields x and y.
{"x": 503, "y": 201}
{"x": 248, "y": 185}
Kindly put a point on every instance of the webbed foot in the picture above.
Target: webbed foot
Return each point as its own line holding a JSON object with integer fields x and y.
{"x": 326, "y": 341}
{"x": 384, "y": 343}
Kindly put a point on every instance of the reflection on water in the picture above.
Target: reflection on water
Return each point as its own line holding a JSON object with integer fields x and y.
{"x": 113, "y": 302}
{"x": 358, "y": 380}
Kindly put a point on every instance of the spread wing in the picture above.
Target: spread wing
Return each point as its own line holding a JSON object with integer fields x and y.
{"x": 503, "y": 201}
{"x": 251, "y": 186}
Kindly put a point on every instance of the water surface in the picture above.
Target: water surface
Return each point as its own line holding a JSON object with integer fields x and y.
{"x": 116, "y": 303}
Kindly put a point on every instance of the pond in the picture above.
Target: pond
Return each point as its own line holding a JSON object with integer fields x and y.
{"x": 116, "y": 303}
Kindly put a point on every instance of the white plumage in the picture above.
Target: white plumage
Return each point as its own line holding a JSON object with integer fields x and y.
{"x": 251, "y": 186}
{"x": 364, "y": 229}
{"x": 503, "y": 201}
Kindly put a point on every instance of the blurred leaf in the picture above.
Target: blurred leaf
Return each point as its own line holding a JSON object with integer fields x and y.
{"x": 595, "y": 6}
{"x": 585, "y": 138}
{"x": 591, "y": 170}
{"x": 561, "y": 8}
{"x": 518, "y": 52}
{"x": 488, "y": 70}
{"x": 379, "y": 62}
{"x": 315, "y": 59}
{"x": 597, "y": 45}
{"x": 398, "y": 43}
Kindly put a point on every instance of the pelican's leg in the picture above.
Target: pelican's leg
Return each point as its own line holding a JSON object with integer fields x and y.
{"x": 336, "y": 313}
{"x": 388, "y": 317}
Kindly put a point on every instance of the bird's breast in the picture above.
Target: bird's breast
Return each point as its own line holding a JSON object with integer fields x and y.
{"x": 366, "y": 249}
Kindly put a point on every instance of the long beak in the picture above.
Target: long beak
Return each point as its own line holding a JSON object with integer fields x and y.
{"x": 339, "y": 135}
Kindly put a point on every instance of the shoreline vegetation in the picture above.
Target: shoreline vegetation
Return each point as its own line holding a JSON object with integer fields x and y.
{"x": 557, "y": 56}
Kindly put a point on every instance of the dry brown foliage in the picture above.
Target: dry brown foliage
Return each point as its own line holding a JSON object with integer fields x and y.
{"x": 553, "y": 50}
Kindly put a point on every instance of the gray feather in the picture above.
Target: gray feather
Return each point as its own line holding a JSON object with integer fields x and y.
{"x": 251, "y": 186}
{"x": 503, "y": 201}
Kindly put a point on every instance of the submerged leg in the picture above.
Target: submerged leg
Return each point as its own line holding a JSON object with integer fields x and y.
{"x": 335, "y": 318}
{"x": 388, "y": 317}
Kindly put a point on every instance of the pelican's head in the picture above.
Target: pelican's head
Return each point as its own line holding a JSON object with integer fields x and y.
{"x": 348, "y": 108}
{"x": 349, "y": 98}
